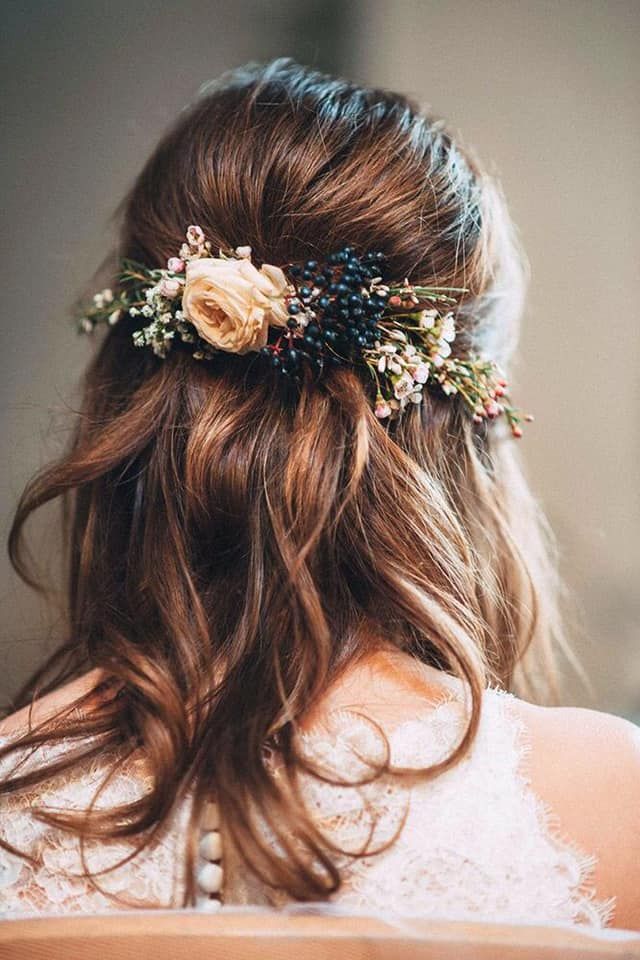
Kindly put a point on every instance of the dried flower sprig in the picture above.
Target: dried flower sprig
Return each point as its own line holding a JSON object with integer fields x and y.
{"x": 415, "y": 350}
{"x": 311, "y": 314}
{"x": 155, "y": 296}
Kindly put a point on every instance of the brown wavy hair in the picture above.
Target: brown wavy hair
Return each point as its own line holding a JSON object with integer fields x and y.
{"x": 233, "y": 548}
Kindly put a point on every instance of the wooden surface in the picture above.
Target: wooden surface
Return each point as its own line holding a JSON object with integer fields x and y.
{"x": 234, "y": 935}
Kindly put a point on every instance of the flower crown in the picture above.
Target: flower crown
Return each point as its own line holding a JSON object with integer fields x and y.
{"x": 341, "y": 311}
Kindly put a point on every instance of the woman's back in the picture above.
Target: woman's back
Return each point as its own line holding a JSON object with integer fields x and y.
{"x": 538, "y": 822}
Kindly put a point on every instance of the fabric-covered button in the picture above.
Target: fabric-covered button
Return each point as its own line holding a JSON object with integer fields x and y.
{"x": 211, "y": 846}
{"x": 210, "y": 878}
{"x": 210, "y": 905}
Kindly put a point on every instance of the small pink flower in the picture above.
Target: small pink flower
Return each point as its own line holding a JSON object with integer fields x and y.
{"x": 383, "y": 410}
{"x": 195, "y": 235}
{"x": 170, "y": 288}
{"x": 420, "y": 373}
{"x": 448, "y": 331}
{"x": 403, "y": 386}
{"x": 175, "y": 264}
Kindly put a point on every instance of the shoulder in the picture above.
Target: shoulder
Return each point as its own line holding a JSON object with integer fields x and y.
{"x": 49, "y": 705}
{"x": 586, "y": 766}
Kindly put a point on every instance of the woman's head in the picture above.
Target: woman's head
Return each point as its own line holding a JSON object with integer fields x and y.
{"x": 295, "y": 164}
{"x": 233, "y": 546}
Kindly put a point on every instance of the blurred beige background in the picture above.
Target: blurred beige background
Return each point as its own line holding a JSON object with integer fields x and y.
{"x": 546, "y": 93}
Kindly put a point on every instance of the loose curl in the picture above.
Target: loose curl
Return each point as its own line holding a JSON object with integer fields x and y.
{"x": 233, "y": 549}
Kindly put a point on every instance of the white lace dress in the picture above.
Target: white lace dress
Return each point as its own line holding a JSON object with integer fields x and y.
{"x": 475, "y": 842}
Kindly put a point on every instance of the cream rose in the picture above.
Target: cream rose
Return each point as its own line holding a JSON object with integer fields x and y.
{"x": 232, "y": 304}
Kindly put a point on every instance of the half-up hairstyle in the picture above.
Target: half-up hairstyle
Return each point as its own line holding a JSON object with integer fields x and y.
{"x": 233, "y": 548}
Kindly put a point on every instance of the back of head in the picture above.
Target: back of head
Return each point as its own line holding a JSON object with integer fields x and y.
{"x": 234, "y": 545}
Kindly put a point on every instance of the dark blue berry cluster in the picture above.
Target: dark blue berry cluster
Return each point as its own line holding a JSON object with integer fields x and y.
{"x": 334, "y": 314}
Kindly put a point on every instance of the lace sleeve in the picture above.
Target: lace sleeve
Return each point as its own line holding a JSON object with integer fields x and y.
{"x": 53, "y": 879}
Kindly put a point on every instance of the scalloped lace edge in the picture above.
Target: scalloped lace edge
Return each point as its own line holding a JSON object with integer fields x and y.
{"x": 550, "y": 824}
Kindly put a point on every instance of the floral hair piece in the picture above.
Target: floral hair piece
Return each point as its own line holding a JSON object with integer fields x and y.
{"x": 342, "y": 311}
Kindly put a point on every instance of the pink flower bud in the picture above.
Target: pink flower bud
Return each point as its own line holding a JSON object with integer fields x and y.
{"x": 493, "y": 409}
{"x": 420, "y": 373}
{"x": 383, "y": 410}
{"x": 170, "y": 288}
{"x": 395, "y": 301}
{"x": 175, "y": 265}
{"x": 516, "y": 431}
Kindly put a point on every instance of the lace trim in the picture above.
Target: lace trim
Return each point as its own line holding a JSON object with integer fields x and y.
{"x": 531, "y": 872}
{"x": 579, "y": 865}
{"x": 56, "y": 883}
{"x": 476, "y": 841}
